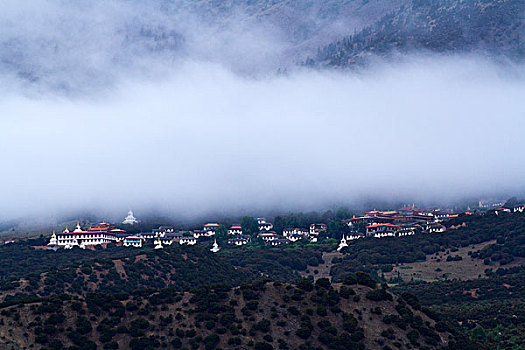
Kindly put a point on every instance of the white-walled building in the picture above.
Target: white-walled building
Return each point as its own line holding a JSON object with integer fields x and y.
{"x": 239, "y": 240}
{"x": 188, "y": 240}
{"x": 265, "y": 226}
{"x": 354, "y": 235}
{"x": 295, "y": 231}
{"x": 316, "y": 229}
{"x": 405, "y": 231}
{"x": 210, "y": 228}
{"x": 294, "y": 237}
{"x": 100, "y": 234}
{"x": 501, "y": 210}
{"x": 519, "y": 208}
{"x": 382, "y": 230}
{"x": 268, "y": 236}
{"x": 132, "y": 241}
{"x": 235, "y": 230}
{"x": 435, "y": 227}
{"x": 279, "y": 241}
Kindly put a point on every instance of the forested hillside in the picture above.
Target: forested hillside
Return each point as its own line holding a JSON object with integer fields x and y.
{"x": 486, "y": 26}
{"x": 36, "y": 273}
{"x": 261, "y": 316}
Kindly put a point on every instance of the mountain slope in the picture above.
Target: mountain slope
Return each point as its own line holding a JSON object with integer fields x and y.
{"x": 261, "y": 315}
{"x": 494, "y": 27}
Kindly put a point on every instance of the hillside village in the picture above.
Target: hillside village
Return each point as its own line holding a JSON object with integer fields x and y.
{"x": 449, "y": 260}
{"x": 406, "y": 221}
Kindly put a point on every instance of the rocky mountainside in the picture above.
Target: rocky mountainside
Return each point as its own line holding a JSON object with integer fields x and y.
{"x": 263, "y": 315}
{"x": 488, "y": 26}
{"x": 90, "y": 45}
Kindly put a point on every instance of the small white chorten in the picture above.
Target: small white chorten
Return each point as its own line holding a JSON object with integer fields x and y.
{"x": 53, "y": 243}
{"x": 342, "y": 244}
{"x": 130, "y": 219}
{"x": 158, "y": 244}
{"x": 78, "y": 228}
{"x": 215, "y": 248}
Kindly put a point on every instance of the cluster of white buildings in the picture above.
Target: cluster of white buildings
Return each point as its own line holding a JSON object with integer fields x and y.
{"x": 103, "y": 234}
{"x": 270, "y": 237}
{"x": 405, "y": 221}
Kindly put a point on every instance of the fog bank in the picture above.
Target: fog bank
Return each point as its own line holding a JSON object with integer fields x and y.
{"x": 203, "y": 138}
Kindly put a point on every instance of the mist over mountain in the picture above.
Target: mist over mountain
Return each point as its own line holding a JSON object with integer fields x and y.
{"x": 72, "y": 47}
{"x": 178, "y": 105}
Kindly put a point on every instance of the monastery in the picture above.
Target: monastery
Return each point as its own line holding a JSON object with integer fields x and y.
{"x": 101, "y": 234}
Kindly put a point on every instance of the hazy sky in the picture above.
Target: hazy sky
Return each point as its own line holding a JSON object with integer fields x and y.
{"x": 193, "y": 135}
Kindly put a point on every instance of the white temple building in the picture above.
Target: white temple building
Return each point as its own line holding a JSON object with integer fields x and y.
{"x": 130, "y": 219}
{"x": 215, "y": 248}
{"x": 102, "y": 233}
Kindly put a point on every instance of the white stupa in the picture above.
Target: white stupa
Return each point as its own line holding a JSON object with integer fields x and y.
{"x": 78, "y": 228}
{"x": 130, "y": 219}
{"x": 215, "y": 248}
{"x": 158, "y": 244}
{"x": 342, "y": 244}
{"x": 53, "y": 243}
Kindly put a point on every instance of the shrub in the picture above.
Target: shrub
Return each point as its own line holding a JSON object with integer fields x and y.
{"x": 379, "y": 295}
{"x": 304, "y": 332}
{"x": 263, "y": 326}
{"x": 413, "y": 336}
{"x": 83, "y": 325}
{"x": 323, "y": 283}
{"x": 211, "y": 341}
{"x": 346, "y": 292}
{"x": 305, "y": 284}
{"x": 263, "y": 346}
{"x": 365, "y": 279}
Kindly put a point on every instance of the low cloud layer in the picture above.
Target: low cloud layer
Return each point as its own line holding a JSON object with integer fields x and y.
{"x": 172, "y": 107}
{"x": 203, "y": 138}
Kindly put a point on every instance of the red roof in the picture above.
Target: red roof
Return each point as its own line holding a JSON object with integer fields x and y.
{"x": 379, "y": 225}
{"x": 233, "y": 227}
{"x": 211, "y": 224}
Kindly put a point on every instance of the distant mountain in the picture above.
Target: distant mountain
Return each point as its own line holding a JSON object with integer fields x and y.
{"x": 90, "y": 45}
{"x": 493, "y": 27}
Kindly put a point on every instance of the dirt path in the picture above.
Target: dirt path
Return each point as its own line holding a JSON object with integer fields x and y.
{"x": 119, "y": 266}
